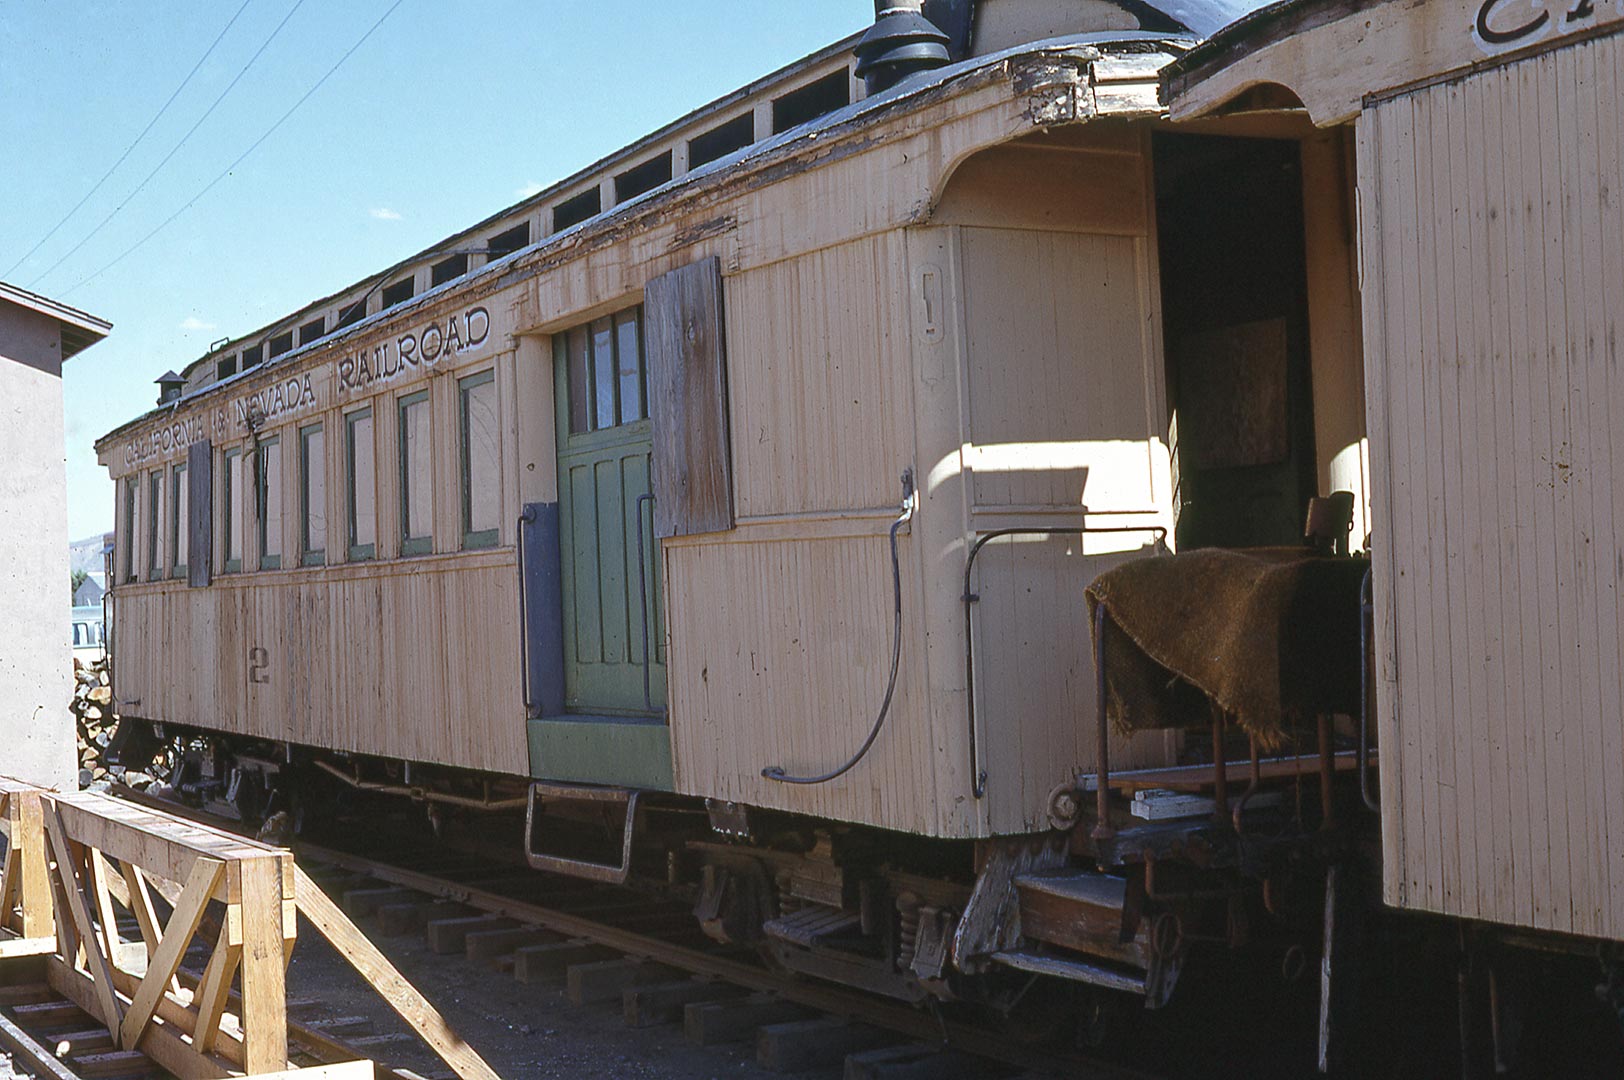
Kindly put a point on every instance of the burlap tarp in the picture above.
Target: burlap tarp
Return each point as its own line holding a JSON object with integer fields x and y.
{"x": 1265, "y": 634}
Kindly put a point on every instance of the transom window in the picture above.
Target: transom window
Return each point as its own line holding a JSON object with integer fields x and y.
{"x": 608, "y": 380}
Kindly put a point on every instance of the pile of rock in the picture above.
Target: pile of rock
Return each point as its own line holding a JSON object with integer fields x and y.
{"x": 96, "y": 720}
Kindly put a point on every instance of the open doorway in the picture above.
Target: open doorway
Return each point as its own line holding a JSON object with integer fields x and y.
{"x": 1235, "y": 318}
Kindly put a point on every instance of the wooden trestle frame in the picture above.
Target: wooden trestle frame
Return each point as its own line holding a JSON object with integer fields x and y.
{"x": 73, "y": 860}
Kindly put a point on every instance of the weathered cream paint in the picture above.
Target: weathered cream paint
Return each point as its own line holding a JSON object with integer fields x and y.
{"x": 36, "y": 659}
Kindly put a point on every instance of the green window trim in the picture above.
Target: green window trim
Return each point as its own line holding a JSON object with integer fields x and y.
{"x": 409, "y": 544}
{"x": 472, "y": 539}
{"x": 267, "y": 447}
{"x": 228, "y": 513}
{"x": 309, "y": 556}
{"x": 357, "y": 552}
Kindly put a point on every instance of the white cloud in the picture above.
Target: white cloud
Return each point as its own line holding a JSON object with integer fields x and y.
{"x": 529, "y": 189}
{"x": 192, "y": 323}
{"x": 383, "y": 213}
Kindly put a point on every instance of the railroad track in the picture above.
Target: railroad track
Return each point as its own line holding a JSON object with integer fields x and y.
{"x": 648, "y": 958}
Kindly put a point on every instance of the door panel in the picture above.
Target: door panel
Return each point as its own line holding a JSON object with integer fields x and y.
{"x": 603, "y": 474}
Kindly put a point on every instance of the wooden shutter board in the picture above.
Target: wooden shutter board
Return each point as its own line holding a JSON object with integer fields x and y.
{"x": 200, "y": 513}
{"x": 692, "y": 468}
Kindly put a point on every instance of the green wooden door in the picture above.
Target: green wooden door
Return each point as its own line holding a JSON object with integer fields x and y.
{"x": 612, "y": 599}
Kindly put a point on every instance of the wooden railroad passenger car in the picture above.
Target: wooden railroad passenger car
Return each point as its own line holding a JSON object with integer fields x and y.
{"x": 763, "y": 465}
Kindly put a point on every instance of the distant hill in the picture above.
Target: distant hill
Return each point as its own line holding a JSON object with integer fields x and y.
{"x": 86, "y": 554}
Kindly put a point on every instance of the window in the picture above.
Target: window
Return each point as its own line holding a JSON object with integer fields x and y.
{"x": 252, "y": 356}
{"x": 508, "y": 241}
{"x": 481, "y": 467}
{"x": 231, "y": 513}
{"x": 268, "y": 498}
{"x": 811, "y": 101}
{"x": 606, "y": 372}
{"x": 448, "y": 269}
{"x": 282, "y": 343}
{"x": 177, "y": 521}
{"x": 645, "y": 177}
{"x": 398, "y": 293}
{"x": 721, "y": 140}
{"x": 155, "y": 496}
{"x": 125, "y": 542}
{"x": 361, "y": 484}
{"x": 312, "y": 496}
{"x": 576, "y": 209}
{"x": 354, "y": 313}
{"x": 225, "y": 367}
{"x": 416, "y": 471}
{"x": 312, "y": 330}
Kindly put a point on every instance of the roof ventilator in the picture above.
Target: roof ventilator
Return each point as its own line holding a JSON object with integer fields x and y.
{"x": 169, "y": 386}
{"x": 901, "y": 42}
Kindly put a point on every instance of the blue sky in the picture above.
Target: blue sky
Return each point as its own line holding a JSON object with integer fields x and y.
{"x": 446, "y": 114}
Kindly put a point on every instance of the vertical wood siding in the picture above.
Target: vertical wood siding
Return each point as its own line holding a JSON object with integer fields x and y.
{"x": 417, "y": 662}
{"x": 1493, "y": 238}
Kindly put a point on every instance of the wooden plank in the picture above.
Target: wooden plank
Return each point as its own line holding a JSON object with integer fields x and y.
{"x": 373, "y": 966}
{"x": 69, "y": 888}
{"x": 30, "y": 1054}
{"x": 263, "y": 965}
{"x": 687, "y": 393}
{"x": 161, "y": 1042}
{"x": 214, "y": 989}
{"x": 809, "y": 1044}
{"x": 172, "y": 948}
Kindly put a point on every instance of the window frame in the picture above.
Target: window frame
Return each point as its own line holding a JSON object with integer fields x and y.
{"x": 582, "y": 380}
{"x": 409, "y": 544}
{"x": 472, "y": 539}
{"x": 359, "y": 552}
{"x": 309, "y": 556}
{"x": 177, "y": 483}
{"x": 155, "y": 490}
{"x": 271, "y": 444}
{"x": 129, "y": 564}
{"x": 228, "y": 511}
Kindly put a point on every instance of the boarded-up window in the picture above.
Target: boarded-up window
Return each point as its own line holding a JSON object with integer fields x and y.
{"x": 198, "y": 515}
{"x": 416, "y": 473}
{"x": 231, "y": 511}
{"x": 155, "y": 499}
{"x": 178, "y": 533}
{"x": 361, "y": 484}
{"x": 687, "y": 400}
{"x": 269, "y": 503}
{"x": 312, "y": 496}
{"x": 481, "y": 465}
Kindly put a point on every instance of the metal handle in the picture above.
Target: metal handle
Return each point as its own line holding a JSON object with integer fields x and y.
{"x": 642, "y": 592}
{"x": 530, "y": 710}
{"x": 978, "y": 775}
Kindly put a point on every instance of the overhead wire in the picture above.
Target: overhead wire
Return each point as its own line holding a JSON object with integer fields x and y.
{"x": 176, "y": 148}
{"x": 127, "y": 252}
{"x": 133, "y": 143}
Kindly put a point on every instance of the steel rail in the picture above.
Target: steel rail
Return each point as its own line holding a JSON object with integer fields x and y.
{"x": 827, "y": 998}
